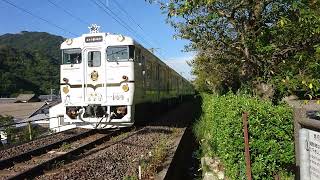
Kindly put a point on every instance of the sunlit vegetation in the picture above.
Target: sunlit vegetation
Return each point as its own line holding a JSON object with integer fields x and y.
{"x": 263, "y": 48}
{"x": 241, "y": 44}
{"x": 220, "y": 133}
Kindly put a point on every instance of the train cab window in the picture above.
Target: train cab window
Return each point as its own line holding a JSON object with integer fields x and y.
{"x": 131, "y": 52}
{"x": 138, "y": 55}
{"x": 71, "y": 56}
{"x": 94, "y": 59}
{"x": 117, "y": 53}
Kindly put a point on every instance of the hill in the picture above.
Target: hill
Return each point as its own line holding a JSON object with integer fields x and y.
{"x": 29, "y": 62}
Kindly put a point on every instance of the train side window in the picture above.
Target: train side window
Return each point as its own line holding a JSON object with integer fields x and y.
{"x": 71, "y": 56}
{"x": 157, "y": 72}
{"x": 151, "y": 71}
{"x": 117, "y": 53}
{"x": 137, "y": 55}
{"x": 148, "y": 70}
{"x": 131, "y": 52}
{"x": 94, "y": 59}
{"x": 143, "y": 61}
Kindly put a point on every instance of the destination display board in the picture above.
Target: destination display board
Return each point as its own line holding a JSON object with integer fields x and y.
{"x": 91, "y": 39}
{"x": 309, "y": 154}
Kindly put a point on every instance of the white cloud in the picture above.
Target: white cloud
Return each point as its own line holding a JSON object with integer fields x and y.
{"x": 180, "y": 65}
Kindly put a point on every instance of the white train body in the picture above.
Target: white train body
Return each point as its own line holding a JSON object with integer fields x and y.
{"x": 103, "y": 77}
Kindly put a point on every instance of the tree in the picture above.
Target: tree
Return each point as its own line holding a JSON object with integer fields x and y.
{"x": 8, "y": 130}
{"x": 29, "y": 63}
{"x": 244, "y": 41}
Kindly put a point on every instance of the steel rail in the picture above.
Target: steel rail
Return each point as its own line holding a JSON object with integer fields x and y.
{"x": 8, "y": 162}
{"x": 39, "y": 169}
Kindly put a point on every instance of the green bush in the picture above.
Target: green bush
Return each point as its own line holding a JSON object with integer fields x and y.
{"x": 220, "y": 131}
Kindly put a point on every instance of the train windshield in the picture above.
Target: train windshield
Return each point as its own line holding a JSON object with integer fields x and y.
{"x": 71, "y": 56}
{"x": 119, "y": 53}
{"x": 94, "y": 59}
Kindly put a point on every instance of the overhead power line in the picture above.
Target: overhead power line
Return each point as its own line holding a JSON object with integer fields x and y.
{"x": 114, "y": 16}
{"x": 102, "y": 6}
{"x": 38, "y": 17}
{"x": 127, "y": 14}
{"x": 134, "y": 21}
{"x": 69, "y": 13}
{"x": 142, "y": 29}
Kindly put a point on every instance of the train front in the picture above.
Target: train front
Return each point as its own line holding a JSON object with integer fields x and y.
{"x": 96, "y": 82}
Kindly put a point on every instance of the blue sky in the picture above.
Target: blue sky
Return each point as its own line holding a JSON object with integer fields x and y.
{"x": 148, "y": 25}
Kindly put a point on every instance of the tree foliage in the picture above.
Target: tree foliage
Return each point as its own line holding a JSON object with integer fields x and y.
{"x": 242, "y": 42}
{"x": 29, "y": 63}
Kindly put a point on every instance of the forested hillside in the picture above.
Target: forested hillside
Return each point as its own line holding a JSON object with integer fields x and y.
{"x": 29, "y": 63}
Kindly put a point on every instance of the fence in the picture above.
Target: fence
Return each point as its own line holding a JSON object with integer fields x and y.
{"x": 307, "y": 139}
{"x": 22, "y": 131}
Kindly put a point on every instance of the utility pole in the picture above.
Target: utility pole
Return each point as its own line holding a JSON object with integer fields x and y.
{"x": 152, "y": 50}
{"x": 51, "y": 93}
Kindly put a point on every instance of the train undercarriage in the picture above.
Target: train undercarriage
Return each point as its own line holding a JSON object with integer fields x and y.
{"x": 92, "y": 116}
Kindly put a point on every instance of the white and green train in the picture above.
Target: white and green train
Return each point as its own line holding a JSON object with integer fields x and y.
{"x": 107, "y": 80}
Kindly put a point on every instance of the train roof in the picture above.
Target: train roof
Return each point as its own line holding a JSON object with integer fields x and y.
{"x": 96, "y": 39}
{"x": 106, "y": 39}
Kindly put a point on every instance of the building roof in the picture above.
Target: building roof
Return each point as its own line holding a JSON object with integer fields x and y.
{"x": 7, "y": 100}
{"x": 24, "y": 97}
{"x": 48, "y": 97}
{"x": 20, "y": 111}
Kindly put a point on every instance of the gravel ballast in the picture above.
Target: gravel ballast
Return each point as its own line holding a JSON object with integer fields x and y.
{"x": 121, "y": 158}
{"x": 16, "y": 150}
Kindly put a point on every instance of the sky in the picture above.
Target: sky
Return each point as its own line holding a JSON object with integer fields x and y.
{"x": 139, "y": 19}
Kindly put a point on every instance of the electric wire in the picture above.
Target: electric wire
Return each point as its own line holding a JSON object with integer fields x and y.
{"x": 101, "y": 6}
{"x": 127, "y": 14}
{"x": 114, "y": 16}
{"x": 69, "y": 13}
{"x": 142, "y": 29}
{"x": 38, "y": 17}
{"x": 135, "y": 22}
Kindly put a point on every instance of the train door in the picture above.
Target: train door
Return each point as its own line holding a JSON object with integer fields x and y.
{"x": 94, "y": 76}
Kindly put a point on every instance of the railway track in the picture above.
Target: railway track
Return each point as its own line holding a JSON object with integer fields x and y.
{"x": 16, "y": 149}
{"x": 34, "y": 162}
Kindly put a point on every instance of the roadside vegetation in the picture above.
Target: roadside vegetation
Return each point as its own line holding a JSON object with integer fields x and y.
{"x": 220, "y": 133}
{"x": 16, "y": 135}
{"x": 268, "y": 49}
{"x": 242, "y": 44}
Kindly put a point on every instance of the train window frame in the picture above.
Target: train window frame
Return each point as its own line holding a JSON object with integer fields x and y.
{"x": 118, "y": 60}
{"x": 75, "y": 60}
{"x": 137, "y": 55}
{"x": 91, "y": 63}
{"x": 131, "y": 52}
{"x": 143, "y": 61}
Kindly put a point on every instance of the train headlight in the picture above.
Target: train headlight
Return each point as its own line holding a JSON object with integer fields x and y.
{"x": 65, "y": 89}
{"x": 66, "y": 80}
{"x": 124, "y": 77}
{"x": 69, "y": 41}
{"x": 125, "y": 87}
{"x": 120, "y": 38}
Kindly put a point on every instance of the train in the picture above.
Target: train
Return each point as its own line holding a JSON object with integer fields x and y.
{"x": 108, "y": 80}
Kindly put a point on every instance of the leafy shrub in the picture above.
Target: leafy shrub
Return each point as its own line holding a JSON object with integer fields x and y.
{"x": 220, "y": 131}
